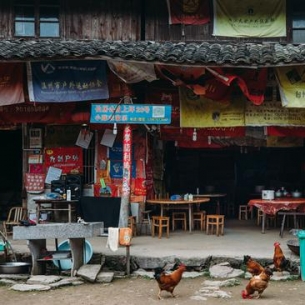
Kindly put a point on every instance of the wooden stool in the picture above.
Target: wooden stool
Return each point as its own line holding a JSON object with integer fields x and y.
{"x": 160, "y": 222}
{"x": 180, "y": 217}
{"x": 243, "y": 212}
{"x": 132, "y": 224}
{"x": 215, "y": 222}
{"x": 199, "y": 218}
{"x": 269, "y": 218}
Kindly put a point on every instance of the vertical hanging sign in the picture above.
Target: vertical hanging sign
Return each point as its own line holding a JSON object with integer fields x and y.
{"x": 127, "y": 147}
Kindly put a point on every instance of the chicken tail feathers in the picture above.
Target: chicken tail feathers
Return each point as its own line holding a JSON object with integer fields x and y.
{"x": 245, "y": 295}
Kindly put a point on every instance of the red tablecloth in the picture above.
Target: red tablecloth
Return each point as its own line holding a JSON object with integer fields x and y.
{"x": 271, "y": 207}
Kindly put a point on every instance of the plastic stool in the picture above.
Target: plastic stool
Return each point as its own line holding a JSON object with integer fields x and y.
{"x": 160, "y": 222}
{"x": 215, "y": 223}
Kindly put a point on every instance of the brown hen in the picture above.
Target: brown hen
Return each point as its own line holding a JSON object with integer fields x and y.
{"x": 168, "y": 282}
{"x": 252, "y": 266}
{"x": 258, "y": 283}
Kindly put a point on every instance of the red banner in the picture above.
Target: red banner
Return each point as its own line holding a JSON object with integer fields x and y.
{"x": 188, "y": 12}
{"x": 68, "y": 159}
{"x": 252, "y": 83}
{"x": 278, "y": 131}
{"x": 11, "y": 83}
{"x": 42, "y": 113}
{"x": 177, "y": 134}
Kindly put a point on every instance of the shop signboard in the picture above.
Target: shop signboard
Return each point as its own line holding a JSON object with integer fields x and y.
{"x": 131, "y": 114}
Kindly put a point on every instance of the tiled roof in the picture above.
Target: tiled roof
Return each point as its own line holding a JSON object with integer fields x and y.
{"x": 205, "y": 53}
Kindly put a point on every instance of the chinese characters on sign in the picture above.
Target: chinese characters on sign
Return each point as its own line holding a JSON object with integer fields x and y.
{"x": 271, "y": 113}
{"x": 68, "y": 159}
{"x": 130, "y": 114}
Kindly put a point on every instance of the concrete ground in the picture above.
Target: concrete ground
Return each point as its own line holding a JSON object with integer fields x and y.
{"x": 241, "y": 237}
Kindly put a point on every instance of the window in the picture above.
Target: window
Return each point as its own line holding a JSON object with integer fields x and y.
{"x": 36, "y": 18}
{"x": 298, "y": 21}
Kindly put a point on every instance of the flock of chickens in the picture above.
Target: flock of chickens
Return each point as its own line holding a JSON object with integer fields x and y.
{"x": 258, "y": 282}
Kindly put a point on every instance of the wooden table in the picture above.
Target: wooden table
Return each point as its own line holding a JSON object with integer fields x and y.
{"x": 271, "y": 207}
{"x": 56, "y": 205}
{"x": 168, "y": 202}
{"x": 212, "y": 195}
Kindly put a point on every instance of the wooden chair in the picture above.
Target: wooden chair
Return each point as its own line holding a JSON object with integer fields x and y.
{"x": 145, "y": 221}
{"x": 132, "y": 224}
{"x": 244, "y": 211}
{"x": 14, "y": 216}
{"x": 179, "y": 217}
{"x": 215, "y": 224}
{"x": 160, "y": 222}
{"x": 199, "y": 218}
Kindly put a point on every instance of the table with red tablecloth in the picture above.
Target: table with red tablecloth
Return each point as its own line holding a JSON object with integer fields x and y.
{"x": 271, "y": 207}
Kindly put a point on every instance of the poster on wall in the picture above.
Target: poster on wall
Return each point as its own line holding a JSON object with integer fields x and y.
{"x": 291, "y": 82}
{"x": 272, "y": 114}
{"x": 198, "y": 111}
{"x": 68, "y": 159}
{"x": 116, "y": 169}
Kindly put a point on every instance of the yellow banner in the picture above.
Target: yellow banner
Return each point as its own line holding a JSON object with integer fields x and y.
{"x": 291, "y": 82}
{"x": 273, "y": 114}
{"x": 249, "y": 18}
{"x": 198, "y": 111}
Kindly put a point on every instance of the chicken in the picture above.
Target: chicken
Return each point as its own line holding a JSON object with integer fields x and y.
{"x": 279, "y": 260}
{"x": 257, "y": 283}
{"x": 169, "y": 281}
{"x": 252, "y": 266}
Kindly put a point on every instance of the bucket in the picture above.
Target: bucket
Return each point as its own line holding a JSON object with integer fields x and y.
{"x": 301, "y": 236}
{"x": 125, "y": 236}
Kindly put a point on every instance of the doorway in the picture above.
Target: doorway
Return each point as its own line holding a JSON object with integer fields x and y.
{"x": 11, "y": 170}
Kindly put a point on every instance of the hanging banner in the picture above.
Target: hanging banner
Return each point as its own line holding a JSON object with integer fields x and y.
{"x": 37, "y": 113}
{"x": 278, "y": 131}
{"x": 249, "y": 18}
{"x": 67, "y": 159}
{"x": 271, "y": 113}
{"x": 131, "y": 73}
{"x": 291, "y": 82}
{"x": 170, "y": 133}
{"x": 11, "y": 83}
{"x": 252, "y": 82}
{"x": 130, "y": 113}
{"x": 188, "y": 12}
{"x": 66, "y": 81}
{"x": 198, "y": 111}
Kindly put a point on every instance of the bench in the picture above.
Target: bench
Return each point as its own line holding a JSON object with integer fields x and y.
{"x": 289, "y": 213}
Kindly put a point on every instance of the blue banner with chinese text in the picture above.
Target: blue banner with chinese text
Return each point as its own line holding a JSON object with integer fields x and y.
{"x": 131, "y": 113}
{"x": 67, "y": 81}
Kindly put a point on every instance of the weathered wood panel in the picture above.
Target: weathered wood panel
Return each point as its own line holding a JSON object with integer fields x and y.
{"x": 5, "y": 20}
{"x": 104, "y": 19}
{"x": 157, "y": 28}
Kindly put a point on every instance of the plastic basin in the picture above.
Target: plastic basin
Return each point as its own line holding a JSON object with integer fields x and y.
{"x": 66, "y": 264}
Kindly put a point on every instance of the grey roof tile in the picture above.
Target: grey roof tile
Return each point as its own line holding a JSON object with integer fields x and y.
{"x": 193, "y": 53}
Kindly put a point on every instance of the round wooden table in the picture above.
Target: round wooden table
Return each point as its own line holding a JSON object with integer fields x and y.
{"x": 168, "y": 202}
